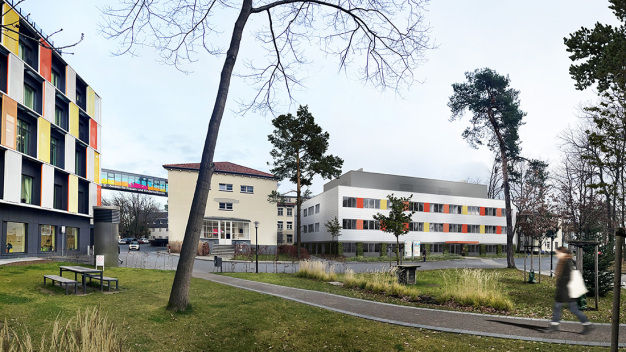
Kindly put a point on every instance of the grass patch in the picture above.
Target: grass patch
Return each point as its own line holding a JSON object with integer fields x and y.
{"x": 223, "y": 318}
{"x": 529, "y": 300}
{"x": 381, "y": 282}
{"x": 475, "y": 287}
{"x": 265, "y": 257}
{"x": 315, "y": 269}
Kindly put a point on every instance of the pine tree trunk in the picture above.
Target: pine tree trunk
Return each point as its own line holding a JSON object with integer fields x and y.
{"x": 179, "y": 296}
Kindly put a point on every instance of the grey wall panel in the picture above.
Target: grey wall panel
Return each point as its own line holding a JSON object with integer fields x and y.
{"x": 90, "y": 164}
{"x": 70, "y": 83}
{"x": 47, "y": 186}
{"x": 49, "y": 100}
{"x": 16, "y": 78}
{"x": 93, "y": 197}
{"x": 98, "y": 109}
{"x": 70, "y": 154}
{"x": 12, "y": 176}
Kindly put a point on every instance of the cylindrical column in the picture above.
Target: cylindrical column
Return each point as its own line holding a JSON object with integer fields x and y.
{"x": 617, "y": 284}
{"x": 106, "y": 222}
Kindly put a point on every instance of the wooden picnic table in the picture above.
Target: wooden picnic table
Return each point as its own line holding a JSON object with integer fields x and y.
{"x": 84, "y": 271}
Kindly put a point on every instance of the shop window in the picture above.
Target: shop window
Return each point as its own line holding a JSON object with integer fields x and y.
{"x": 15, "y": 238}
{"x": 47, "y": 237}
{"x": 71, "y": 238}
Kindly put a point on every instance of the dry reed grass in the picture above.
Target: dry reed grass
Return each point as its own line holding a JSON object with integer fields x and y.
{"x": 380, "y": 281}
{"x": 475, "y": 287}
{"x": 315, "y": 269}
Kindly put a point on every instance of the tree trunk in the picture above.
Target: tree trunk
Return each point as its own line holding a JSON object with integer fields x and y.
{"x": 179, "y": 296}
{"x": 397, "y": 251}
{"x": 510, "y": 260}
{"x": 298, "y": 206}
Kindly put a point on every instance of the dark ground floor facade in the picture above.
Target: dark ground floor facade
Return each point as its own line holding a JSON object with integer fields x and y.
{"x": 368, "y": 249}
{"x": 36, "y": 232}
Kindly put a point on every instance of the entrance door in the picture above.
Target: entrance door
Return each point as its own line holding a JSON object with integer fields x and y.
{"x": 226, "y": 233}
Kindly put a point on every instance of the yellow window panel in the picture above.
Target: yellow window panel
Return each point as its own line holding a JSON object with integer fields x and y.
{"x": 426, "y": 227}
{"x": 10, "y": 35}
{"x": 73, "y": 194}
{"x": 464, "y": 210}
{"x": 91, "y": 102}
{"x": 96, "y": 165}
{"x": 74, "y": 120}
{"x": 383, "y": 204}
{"x": 482, "y": 229}
{"x": 44, "y": 140}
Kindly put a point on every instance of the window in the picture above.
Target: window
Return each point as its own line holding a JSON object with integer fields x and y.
{"x": 490, "y": 248}
{"x": 310, "y": 210}
{"x": 317, "y": 227}
{"x": 473, "y": 228}
{"x": 54, "y": 151}
{"x": 416, "y": 226}
{"x": 416, "y": 206}
{"x": 436, "y": 248}
{"x": 304, "y": 212}
{"x": 247, "y": 189}
{"x": 490, "y": 229}
{"x": 473, "y": 210}
{"x": 349, "y": 202}
{"x": 436, "y": 227}
{"x": 27, "y": 189}
{"x": 371, "y": 247}
{"x": 436, "y": 208}
{"x": 23, "y": 136}
{"x": 226, "y": 187}
{"x": 29, "y": 96}
{"x": 280, "y": 225}
{"x": 456, "y": 209}
{"x": 71, "y": 234}
{"x": 504, "y": 230}
{"x": 58, "y": 73}
{"x": 317, "y": 208}
{"x": 490, "y": 211}
{"x": 226, "y": 206}
{"x": 371, "y": 225}
{"x": 289, "y": 225}
{"x": 455, "y": 228}
{"x": 289, "y": 238}
{"x": 289, "y": 211}
{"x": 473, "y": 248}
{"x": 280, "y": 211}
{"x": 60, "y": 113}
{"x": 47, "y": 237}
{"x": 80, "y": 160}
{"x": 55, "y": 78}
{"x": 371, "y": 203}
{"x": 310, "y": 229}
{"x": 349, "y": 247}
{"x": 16, "y": 237}
{"x": 349, "y": 224}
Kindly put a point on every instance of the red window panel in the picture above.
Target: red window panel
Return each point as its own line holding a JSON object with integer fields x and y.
{"x": 446, "y": 210}
{"x": 464, "y": 228}
{"x": 498, "y": 212}
{"x": 406, "y": 226}
{"x": 446, "y": 227}
{"x": 359, "y": 202}
{"x": 382, "y": 227}
{"x": 99, "y": 196}
{"x": 93, "y": 134}
{"x": 482, "y": 211}
{"x": 359, "y": 223}
{"x": 45, "y": 61}
{"x": 499, "y": 229}
{"x": 426, "y": 207}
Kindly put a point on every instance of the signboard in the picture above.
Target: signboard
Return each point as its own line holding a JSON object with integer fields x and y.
{"x": 408, "y": 249}
{"x": 416, "y": 249}
{"x": 100, "y": 261}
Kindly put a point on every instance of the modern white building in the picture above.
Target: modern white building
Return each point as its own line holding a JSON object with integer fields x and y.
{"x": 238, "y": 198}
{"x": 452, "y": 217}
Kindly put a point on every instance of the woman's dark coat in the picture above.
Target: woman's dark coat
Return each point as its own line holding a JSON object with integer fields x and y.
{"x": 562, "y": 294}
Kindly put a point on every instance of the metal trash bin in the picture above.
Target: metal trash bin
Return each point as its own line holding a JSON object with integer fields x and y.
{"x": 217, "y": 263}
{"x": 531, "y": 277}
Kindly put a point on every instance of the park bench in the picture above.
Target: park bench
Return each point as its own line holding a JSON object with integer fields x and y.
{"x": 106, "y": 279}
{"x": 62, "y": 282}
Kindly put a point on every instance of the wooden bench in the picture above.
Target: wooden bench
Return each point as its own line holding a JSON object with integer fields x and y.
{"x": 62, "y": 281}
{"x": 105, "y": 279}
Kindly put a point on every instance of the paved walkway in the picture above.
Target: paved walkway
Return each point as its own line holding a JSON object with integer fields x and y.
{"x": 432, "y": 319}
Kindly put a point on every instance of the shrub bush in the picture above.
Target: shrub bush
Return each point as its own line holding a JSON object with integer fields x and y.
{"x": 292, "y": 251}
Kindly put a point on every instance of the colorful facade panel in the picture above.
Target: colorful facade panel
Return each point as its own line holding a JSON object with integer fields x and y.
{"x": 9, "y": 121}
{"x": 45, "y": 60}
{"x": 10, "y": 30}
{"x": 43, "y": 140}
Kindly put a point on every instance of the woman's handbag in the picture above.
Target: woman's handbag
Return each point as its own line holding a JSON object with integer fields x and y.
{"x": 576, "y": 285}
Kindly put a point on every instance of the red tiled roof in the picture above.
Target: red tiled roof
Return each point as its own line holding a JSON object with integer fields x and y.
{"x": 222, "y": 166}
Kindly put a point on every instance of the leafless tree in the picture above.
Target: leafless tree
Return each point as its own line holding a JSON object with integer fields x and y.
{"x": 495, "y": 188}
{"x": 384, "y": 39}
{"x": 136, "y": 211}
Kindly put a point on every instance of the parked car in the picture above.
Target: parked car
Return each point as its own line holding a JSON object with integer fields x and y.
{"x": 144, "y": 241}
{"x": 121, "y": 241}
{"x": 133, "y": 245}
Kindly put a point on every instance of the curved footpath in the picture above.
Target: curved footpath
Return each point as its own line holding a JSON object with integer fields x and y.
{"x": 433, "y": 319}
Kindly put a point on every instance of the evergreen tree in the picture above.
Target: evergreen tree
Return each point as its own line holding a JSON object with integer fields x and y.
{"x": 299, "y": 154}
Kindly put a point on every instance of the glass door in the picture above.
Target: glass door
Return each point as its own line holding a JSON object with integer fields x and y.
{"x": 226, "y": 233}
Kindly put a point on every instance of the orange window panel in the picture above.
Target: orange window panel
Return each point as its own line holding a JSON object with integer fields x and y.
{"x": 359, "y": 224}
{"x": 93, "y": 134}
{"x": 359, "y": 202}
{"x": 406, "y": 206}
{"x": 498, "y": 212}
{"x": 446, "y": 209}
{"x": 446, "y": 227}
{"x": 406, "y": 226}
{"x": 464, "y": 228}
{"x": 45, "y": 60}
{"x": 482, "y": 211}
{"x": 499, "y": 230}
{"x": 99, "y": 196}
{"x": 426, "y": 207}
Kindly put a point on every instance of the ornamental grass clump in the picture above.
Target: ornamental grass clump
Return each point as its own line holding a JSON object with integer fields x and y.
{"x": 315, "y": 269}
{"x": 380, "y": 282}
{"x": 474, "y": 287}
{"x": 88, "y": 332}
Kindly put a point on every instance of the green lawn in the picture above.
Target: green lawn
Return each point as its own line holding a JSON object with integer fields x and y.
{"x": 530, "y": 300}
{"x": 222, "y": 318}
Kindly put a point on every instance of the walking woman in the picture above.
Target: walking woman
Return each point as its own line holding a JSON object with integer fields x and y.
{"x": 564, "y": 267}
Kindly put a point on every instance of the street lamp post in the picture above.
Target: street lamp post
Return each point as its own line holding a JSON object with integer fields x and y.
{"x": 256, "y": 241}
{"x": 551, "y": 233}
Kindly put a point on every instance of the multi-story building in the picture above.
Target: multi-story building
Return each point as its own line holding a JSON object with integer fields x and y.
{"x": 158, "y": 226}
{"x": 49, "y": 145}
{"x": 286, "y": 223}
{"x": 237, "y": 199}
{"x": 449, "y": 216}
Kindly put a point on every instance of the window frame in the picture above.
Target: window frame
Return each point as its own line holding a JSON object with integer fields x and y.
{"x": 228, "y": 187}
{"x": 225, "y": 206}
{"x": 246, "y": 189}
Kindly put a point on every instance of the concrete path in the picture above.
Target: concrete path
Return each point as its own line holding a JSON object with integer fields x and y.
{"x": 433, "y": 319}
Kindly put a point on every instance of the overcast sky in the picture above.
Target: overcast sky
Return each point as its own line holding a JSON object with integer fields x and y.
{"x": 153, "y": 114}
